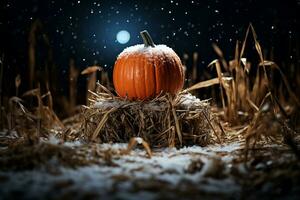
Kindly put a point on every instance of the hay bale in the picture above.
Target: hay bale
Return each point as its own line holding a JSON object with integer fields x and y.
{"x": 163, "y": 122}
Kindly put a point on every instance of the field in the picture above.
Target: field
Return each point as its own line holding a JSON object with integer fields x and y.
{"x": 240, "y": 143}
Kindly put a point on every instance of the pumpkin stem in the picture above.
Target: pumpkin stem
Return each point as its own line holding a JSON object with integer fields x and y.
{"x": 147, "y": 39}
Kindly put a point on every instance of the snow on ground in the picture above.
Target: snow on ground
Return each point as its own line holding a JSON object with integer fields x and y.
{"x": 133, "y": 177}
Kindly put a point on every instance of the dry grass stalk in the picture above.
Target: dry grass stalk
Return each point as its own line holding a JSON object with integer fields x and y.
{"x": 138, "y": 141}
{"x": 91, "y": 71}
{"x": 36, "y": 25}
{"x": 32, "y": 125}
{"x": 194, "y": 72}
{"x": 212, "y": 127}
{"x": 184, "y": 60}
{"x": 203, "y": 84}
{"x": 241, "y": 96}
{"x": 275, "y": 102}
{"x": 44, "y": 115}
{"x": 161, "y": 122}
{"x": 265, "y": 63}
{"x": 219, "y": 73}
{"x": 100, "y": 88}
{"x": 49, "y": 95}
{"x": 101, "y": 123}
{"x": 1, "y": 80}
{"x": 105, "y": 79}
{"x": 17, "y": 84}
{"x": 73, "y": 75}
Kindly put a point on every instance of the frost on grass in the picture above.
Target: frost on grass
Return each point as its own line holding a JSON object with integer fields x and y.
{"x": 132, "y": 175}
{"x": 53, "y": 169}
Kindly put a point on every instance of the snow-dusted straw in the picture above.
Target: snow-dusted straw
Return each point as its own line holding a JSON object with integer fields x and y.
{"x": 161, "y": 122}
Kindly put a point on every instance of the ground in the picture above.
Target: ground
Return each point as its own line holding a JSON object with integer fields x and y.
{"x": 108, "y": 171}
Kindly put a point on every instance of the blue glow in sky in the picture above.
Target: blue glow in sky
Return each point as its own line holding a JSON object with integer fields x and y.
{"x": 86, "y": 30}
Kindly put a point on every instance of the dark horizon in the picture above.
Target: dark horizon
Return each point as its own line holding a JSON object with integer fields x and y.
{"x": 86, "y": 30}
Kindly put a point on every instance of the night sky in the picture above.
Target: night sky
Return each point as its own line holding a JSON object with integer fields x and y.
{"x": 86, "y": 30}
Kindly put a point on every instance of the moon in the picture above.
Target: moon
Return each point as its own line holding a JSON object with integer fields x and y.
{"x": 123, "y": 36}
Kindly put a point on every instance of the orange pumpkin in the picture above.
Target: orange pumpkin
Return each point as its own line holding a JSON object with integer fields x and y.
{"x": 146, "y": 70}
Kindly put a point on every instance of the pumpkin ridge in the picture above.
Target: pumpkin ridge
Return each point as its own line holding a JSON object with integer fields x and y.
{"x": 121, "y": 82}
{"x": 146, "y": 88}
{"x": 116, "y": 75}
{"x": 137, "y": 77}
{"x": 168, "y": 75}
{"x": 132, "y": 79}
{"x": 115, "y": 78}
{"x": 153, "y": 69}
{"x": 125, "y": 75}
{"x": 157, "y": 80}
{"x": 149, "y": 75}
